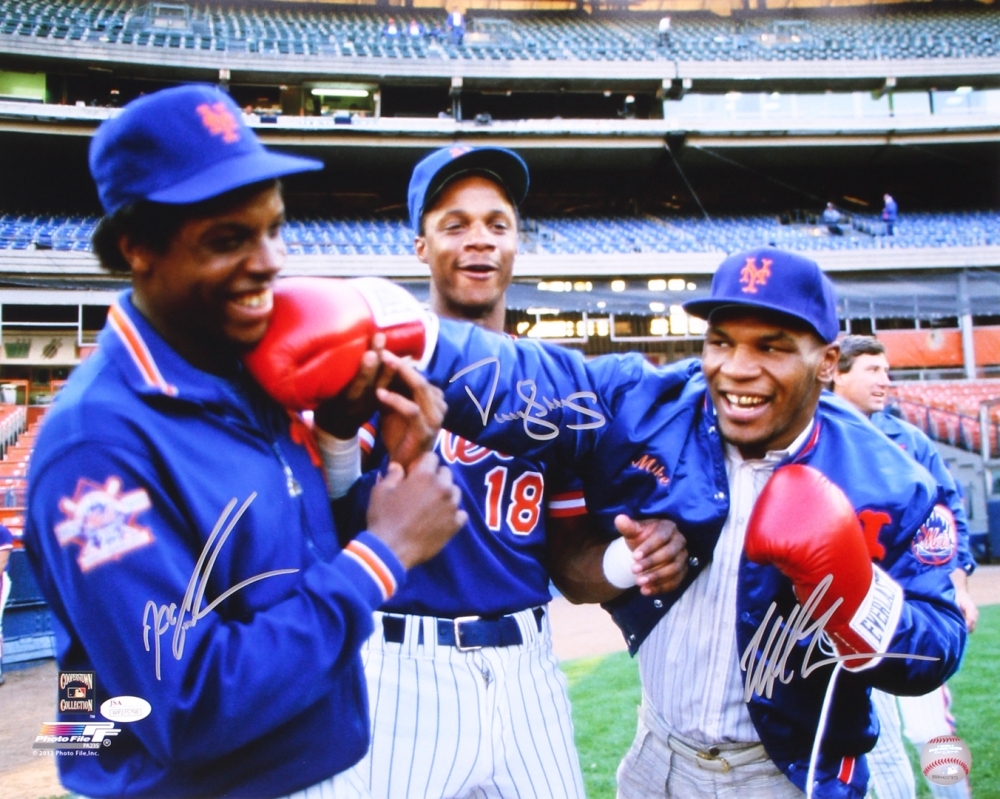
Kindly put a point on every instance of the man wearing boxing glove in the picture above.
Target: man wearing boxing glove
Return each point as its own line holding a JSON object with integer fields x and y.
{"x": 732, "y": 660}
{"x": 480, "y": 607}
{"x": 177, "y": 520}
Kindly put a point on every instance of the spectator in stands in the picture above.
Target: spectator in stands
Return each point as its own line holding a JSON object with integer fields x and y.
{"x": 663, "y": 30}
{"x": 831, "y": 218}
{"x": 161, "y": 446}
{"x": 6, "y": 546}
{"x": 889, "y": 213}
{"x": 415, "y": 30}
{"x": 390, "y": 31}
{"x": 456, "y": 26}
{"x": 863, "y": 380}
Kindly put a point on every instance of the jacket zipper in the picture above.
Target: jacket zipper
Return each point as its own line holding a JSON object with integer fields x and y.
{"x": 293, "y": 485}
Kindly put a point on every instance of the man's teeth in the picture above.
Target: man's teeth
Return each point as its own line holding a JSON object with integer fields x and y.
{"x": 744, "y": 401}
{"x": 254, "y": 300}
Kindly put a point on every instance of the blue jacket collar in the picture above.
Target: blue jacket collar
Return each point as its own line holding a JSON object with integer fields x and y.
{"x": 149, "y": 365}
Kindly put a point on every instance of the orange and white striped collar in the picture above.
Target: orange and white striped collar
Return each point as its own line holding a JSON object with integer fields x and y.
{"x": 135, "y": 345}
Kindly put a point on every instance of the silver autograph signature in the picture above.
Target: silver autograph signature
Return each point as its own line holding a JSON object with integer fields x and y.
{"x": 535, "y": 410}
{"x": 764, "y": 666}
{"x": 166, "y": 616}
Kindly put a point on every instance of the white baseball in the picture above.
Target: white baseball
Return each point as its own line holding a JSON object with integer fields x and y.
{"x": 946, "y": 760}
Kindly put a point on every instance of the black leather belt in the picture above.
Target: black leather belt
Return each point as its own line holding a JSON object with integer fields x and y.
{"x": 465, "y": 632}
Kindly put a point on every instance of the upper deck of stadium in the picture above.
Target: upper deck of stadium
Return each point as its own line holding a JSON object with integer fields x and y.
{"x": 833, "y": 43}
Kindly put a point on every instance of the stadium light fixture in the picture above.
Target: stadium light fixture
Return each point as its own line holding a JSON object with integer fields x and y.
{"x": 657, "y": 284}
{"x": 691, "y": 286}
{"x": 963, "y": 90}
{"x": 328, "y": 92}
{"x": 618, "y": 285}
{"x": 678, "y": 321}
{"x": 675, "y": 284}
{"x": 657, "y": 307}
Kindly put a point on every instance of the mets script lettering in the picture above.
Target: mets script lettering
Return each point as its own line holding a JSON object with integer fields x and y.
{"x": 182, "y": 619}
{"x": 535, "y": 409}
{"x": 765, "y": 665}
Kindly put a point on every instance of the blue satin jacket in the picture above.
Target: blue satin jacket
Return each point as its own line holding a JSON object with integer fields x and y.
{"x": 644, "y": 441}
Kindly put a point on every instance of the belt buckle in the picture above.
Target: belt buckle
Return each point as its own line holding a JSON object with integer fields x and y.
{"x": 713, "y": 755}
{"x": 456, "y": 622}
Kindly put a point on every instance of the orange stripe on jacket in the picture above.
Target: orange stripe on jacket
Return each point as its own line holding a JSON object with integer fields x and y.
{"x": 373, "y": 564}
{"x": 138, "y": 351}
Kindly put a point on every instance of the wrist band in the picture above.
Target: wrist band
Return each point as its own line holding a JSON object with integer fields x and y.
{"x": 618, "y": 564}
{"x": 341, "y": 462}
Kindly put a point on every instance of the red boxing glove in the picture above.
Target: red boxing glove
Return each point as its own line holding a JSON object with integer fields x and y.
{"x": 320, "y": 328}
{"x": 805, "y": 526}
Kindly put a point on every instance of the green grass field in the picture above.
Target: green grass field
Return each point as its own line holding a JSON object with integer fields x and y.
{"x": 605, "y": 694}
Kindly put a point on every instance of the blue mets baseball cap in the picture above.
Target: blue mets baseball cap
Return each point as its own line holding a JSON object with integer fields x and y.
{"x": 434, "y": 171}
{"x": 181, "y": 145}
{"x": 776, "y": 281}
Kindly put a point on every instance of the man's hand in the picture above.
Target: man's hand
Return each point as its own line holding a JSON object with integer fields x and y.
{"x": 964, "y": 599}
{"x": 416, "y": 513}
{"x": 659, "y": 551}
{"x": 577, "y": 550}
{"x": 343, "y": 414}
{"x": 409, "y": 426}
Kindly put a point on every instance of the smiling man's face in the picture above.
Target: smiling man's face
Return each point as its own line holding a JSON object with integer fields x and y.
{"x": 469, "y": 242}
{"x": 865, "y": 384}
{"x": 765, "y": 375}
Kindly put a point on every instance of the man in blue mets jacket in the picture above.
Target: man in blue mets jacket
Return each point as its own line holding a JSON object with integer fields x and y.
{"x": 177, "y": 519}
{"x": 817, "y": 547}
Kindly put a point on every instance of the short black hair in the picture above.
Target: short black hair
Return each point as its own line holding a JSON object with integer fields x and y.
{"x": 154, "y": 225}
{"x": 853, "y": 346}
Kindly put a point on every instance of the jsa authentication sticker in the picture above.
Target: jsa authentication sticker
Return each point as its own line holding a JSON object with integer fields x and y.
{"x": 125, "y": 709}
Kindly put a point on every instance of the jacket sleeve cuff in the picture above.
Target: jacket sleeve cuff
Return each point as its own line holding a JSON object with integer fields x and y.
{"x": 877, "y": 618}
{"x": 373, "y": 568}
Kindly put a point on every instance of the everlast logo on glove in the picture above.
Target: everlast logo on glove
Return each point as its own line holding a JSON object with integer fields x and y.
{"x": 878, "y": 615}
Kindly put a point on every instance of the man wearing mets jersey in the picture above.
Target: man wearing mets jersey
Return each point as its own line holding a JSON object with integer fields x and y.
{"x": 466, "y": 695}
{"x": 177, "y": 520}
{"x": 820, "y": 553}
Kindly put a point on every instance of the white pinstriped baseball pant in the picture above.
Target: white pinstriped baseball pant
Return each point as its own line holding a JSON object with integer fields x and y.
{"x": 491, "y": 723}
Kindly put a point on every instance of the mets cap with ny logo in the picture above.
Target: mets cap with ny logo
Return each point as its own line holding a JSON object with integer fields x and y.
{"x": 179, "y": 146}
{"x": 774, "y": 280}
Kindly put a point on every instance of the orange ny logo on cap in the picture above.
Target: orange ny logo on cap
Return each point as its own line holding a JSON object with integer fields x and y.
{"x": 458, "y": 150}
{"x": 752, "y": 276}
{"x": 220, "y": 121}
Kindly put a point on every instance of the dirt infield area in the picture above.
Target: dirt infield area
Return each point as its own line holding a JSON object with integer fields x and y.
{"x": 27, "y": 700}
